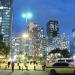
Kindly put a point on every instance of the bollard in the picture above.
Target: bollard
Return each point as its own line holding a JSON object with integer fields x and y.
{"x": 52, "y": 72}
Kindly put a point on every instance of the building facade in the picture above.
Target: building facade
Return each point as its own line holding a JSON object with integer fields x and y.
{"x": 73, "y": 32}
{"x": 21, "y": 45}
{"x": 6, "y": 19}
{"x": 52, "y": 30}
{"x": 61, "y": 41}
{"x": 39, "y": 40}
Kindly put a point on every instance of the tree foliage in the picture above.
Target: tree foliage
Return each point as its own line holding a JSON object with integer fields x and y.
{"x": 57, "y": 50}
{"x": 4, "y": 48}
{"x": 64, "y": 53}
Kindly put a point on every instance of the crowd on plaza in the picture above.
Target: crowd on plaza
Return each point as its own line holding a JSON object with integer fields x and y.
{"x": 24, "y": 66}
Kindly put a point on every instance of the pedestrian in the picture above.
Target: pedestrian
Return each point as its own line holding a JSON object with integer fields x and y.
{"x": 34, "y": 67}
{"x": 22, "y": 66}
{"x": 44, "y": 66}
{"x": 12, "y": 66}
{"x": 8, "y": 64}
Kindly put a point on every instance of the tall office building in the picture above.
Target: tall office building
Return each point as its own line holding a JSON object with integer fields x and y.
{"x": 52, "y": 30}
{"x": 39, "y": 40}
{"x": 73, "y": 31}
{"x": 62, "y": 41}
{"x": 6, "y": 19}
{"x": 34, "y": 30}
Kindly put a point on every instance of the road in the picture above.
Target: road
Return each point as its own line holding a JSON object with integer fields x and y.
{"x": 24, "y": 72}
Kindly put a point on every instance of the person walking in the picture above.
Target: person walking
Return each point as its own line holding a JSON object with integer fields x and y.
{"x": 12, "y": 66}
{"x": 8, "y": 64}
{"x": 44, "y": 66}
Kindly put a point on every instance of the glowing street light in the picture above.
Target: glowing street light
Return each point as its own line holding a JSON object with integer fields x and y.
{"x": 27, "y": 16}
{"x": 24, "y": 15}
{"x": 25, "y": 36}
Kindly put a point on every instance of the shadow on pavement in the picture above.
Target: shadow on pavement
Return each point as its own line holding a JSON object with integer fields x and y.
{"x": 10, "y": 73}
{"x": 53, "y": 72}
{"x": 65, "y": 74}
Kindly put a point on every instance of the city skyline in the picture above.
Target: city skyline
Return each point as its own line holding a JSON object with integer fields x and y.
{"x": 59, "y": 10}
{"x": 43, "y": 11}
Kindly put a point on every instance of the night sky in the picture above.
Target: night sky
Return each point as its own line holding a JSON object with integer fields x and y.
{"x": 44, "y": 10}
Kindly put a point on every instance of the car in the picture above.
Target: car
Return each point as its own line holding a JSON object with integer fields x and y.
{"x": 60, "y": 67}
{"x": 61, "y": 64}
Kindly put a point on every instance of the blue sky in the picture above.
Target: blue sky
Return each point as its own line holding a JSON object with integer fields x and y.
{"x": 44, "y": 10}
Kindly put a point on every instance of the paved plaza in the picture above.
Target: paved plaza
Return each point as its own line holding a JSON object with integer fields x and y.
{"x": 22, "y": 66}
{"x": 24, "y": 72}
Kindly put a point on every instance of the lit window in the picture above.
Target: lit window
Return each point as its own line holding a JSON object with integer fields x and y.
{"x": 1, "y": 7}
{"x": 0, "y": 19}
{"x": 74, "y": 34}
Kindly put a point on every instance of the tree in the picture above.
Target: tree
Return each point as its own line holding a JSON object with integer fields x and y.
{"x": 4, "y": 48}
{"x": 1, "y": 43}
{"x": 65, "y": 53}
{"x": 57, "y": 50}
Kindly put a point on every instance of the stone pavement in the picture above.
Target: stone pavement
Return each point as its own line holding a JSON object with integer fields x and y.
{"x": 30, "y": 66}
{"x": 24, "y": 72}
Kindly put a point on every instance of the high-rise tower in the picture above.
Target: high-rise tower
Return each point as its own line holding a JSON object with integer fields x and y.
{"x": 6, "y": 19}
{"x": 73, "y": 31}
{"x": 52, "y": 29}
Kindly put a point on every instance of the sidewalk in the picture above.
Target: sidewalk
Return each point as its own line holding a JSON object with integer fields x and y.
{"x": 29, "y": 66}
{"x": 20, "y": 72}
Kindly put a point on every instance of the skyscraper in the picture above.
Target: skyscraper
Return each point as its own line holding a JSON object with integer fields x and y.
{"x": 52, "y": 29}
{"x": 34, "y": 30}
{"x": 62, "y": 41}
{"x": 39, "y": 40}
{"x": 6, "y": 19}
{"x": 73, "y": 31}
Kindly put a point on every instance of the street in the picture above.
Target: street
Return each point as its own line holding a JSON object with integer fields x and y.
{"x": 24, "y": 72}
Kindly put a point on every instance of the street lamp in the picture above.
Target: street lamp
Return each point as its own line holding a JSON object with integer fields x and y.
{"x": 27, "y": 16}
{"x": 26, "y": 37}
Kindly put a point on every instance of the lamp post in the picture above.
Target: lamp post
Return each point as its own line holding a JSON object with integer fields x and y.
{"x": 26, "y": 37}
{"x": 27, "y": 16}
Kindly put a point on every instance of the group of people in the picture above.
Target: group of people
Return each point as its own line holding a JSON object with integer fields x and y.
{"x": 12, "y": 65}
